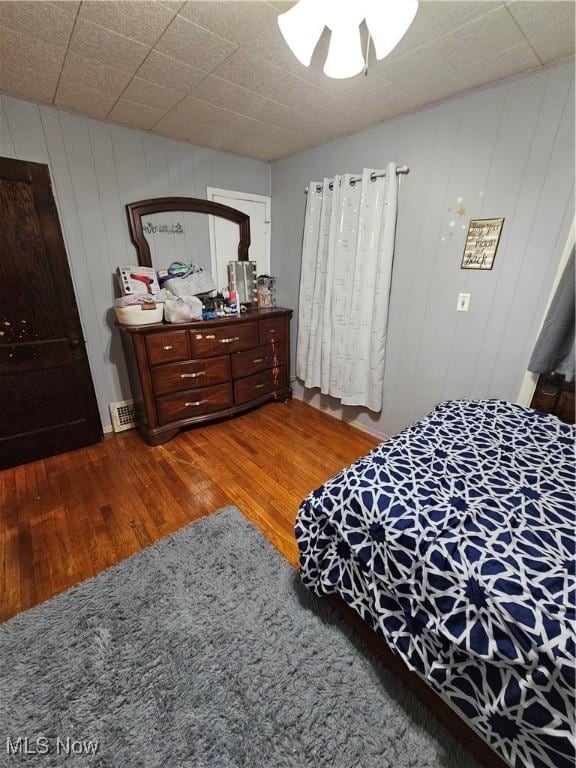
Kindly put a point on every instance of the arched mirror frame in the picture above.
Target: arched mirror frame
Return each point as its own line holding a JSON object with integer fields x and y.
{"x": 135, "y": 212}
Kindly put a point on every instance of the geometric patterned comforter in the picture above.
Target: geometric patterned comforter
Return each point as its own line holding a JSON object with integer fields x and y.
{"x": 455, "y": 541}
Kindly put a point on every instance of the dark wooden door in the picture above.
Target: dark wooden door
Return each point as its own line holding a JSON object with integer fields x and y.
{"x": 47, "y": 400}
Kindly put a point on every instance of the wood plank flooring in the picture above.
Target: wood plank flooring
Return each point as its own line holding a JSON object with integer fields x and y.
{"x": 66, "y": 518}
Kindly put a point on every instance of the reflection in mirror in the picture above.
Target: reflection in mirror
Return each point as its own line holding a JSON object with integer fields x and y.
{"x": 180, "y": 236}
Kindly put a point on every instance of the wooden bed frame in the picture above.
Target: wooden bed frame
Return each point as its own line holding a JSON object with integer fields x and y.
{"x": 458, "y": 727}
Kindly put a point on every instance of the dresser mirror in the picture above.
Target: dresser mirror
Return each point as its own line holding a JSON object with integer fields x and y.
{"x": 167, "y": 229}
{"x": 182, "y": 236}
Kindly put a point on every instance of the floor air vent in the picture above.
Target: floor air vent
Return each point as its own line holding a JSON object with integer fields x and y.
{"x": 123, "y": 415}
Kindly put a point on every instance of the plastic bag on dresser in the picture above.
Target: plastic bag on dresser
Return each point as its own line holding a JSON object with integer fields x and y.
{"x": 182, "y": 309}
{"x": 190, "y": 283}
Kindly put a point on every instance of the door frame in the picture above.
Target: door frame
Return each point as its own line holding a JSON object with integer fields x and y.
{"x": 234, "y": 195}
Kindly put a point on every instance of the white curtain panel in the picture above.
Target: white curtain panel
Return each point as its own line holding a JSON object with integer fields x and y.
{"x": 347, "y": 257}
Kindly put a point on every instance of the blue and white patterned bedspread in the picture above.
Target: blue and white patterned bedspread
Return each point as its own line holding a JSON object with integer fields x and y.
{"x": 455, "y": 540}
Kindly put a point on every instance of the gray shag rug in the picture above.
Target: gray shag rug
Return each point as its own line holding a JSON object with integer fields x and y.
{"x": 204, "y": 651}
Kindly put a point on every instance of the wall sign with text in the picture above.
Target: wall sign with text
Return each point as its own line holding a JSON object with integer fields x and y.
{"x": 154, "y": 229}
{"x": 481, "y": 243}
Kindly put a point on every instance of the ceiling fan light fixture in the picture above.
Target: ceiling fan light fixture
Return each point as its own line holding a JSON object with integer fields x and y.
{"x": 388, "y": 22}
{"x": 301, "y": 27}
{"x": 345, "y": 57}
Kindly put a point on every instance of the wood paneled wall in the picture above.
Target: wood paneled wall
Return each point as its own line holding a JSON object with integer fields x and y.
{"x": 507, "y": 150}
{"x": 96, "y": 169}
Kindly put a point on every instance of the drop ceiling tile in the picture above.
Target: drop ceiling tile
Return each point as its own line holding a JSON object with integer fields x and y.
{"x": 364, "y": 90}
{"x": 387, "y": 108}
{"x": 536, "y": 19}
{"x": 29, "y": 69}
{"x": 208, "y": 125}
{"x": 520, "y": 58}
{"x": 87, "y": 101}
{"x": 437, "y": 18}
{"x": 209, "y": 135}
{"x": 144, "y": 21}
{"x": 265, "y": 78}
{"x": 223, "y": 93}
{"x": 332, "y": 112}
{"x": 426, "y": 91}
{"x": 194, "y": 45}
{"x": 95, "y": 42}
{"x": 480, "y": 39}
{"x": 51, "y": 22}
{"x": 345, "y": 117}
{"x": 270, "y": 46}
{"x": 151, "y": 94}
{"x": 259, "y": 101}
{"x": 194, "y": 117}
{"x": 427, "y": 61}
{"x": 260, "y": 149}
{"x": 170, "y": 73}
{"x": 248, "y": 127}
{"x": 282, "y": 5}
{"x": 230, "y": 19}
{"x": 173, "y": 127}
{"x": 555, "y": 45}
{"x": 137, "y": 115}
{"x": 254, "y": 139}
{"x": 227, "y": 95}
{"x": 79, "y": 72}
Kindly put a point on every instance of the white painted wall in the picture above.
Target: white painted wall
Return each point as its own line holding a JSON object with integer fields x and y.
{"x": 507, "y": 151}
{"x": 96, "y": 169}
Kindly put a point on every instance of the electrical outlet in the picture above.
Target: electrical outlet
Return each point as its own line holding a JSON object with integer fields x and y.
{"x": 463, "y": 303}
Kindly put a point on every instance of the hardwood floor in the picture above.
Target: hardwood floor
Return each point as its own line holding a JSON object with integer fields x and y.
{"x": 66, "y": 518}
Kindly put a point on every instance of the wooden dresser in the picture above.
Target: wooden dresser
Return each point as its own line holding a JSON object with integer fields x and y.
{"x": 192, "y": 373}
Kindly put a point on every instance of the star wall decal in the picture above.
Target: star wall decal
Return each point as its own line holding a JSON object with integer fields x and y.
{"x": 461, "y": 211}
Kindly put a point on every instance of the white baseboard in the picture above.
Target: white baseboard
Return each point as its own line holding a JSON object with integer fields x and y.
{"x": 107, "y": 429}
{"x": 299, "y": 395}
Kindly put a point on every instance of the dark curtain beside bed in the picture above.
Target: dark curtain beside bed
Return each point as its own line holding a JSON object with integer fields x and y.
{"x": 554, "y": 350}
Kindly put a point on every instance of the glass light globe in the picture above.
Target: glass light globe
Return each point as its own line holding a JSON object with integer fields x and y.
{"x": 345, "y": 57}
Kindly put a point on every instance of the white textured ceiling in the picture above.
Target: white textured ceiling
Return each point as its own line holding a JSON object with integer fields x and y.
{"x": 219, "y": 74}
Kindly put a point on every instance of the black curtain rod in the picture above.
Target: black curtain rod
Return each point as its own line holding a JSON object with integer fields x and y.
{"x": 373, "y": 176}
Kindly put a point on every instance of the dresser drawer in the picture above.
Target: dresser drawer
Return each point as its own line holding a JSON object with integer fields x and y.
{"x": 194, "y": 403}
{"x": 257, "y": 359}
{"x": 228, "y": 338}
{"x": 167, "y": 347}
{"x": 176, "y": 377}
{"x": 271, "y": 330}
{"x": 253, "y": 387}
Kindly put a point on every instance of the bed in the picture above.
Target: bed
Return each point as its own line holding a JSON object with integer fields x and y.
{"x": 454, "y": 540}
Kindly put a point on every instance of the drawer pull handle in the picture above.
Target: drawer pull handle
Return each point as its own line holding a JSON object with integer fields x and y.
{"x": 210, "y": 336}
{"x": 197, "y": 402}
{"x": 259, "y": 386}
{"x": 192, "y": 375}
{"x": 259, "y": 360}
{"x": 229, "y": 341}
{"x": 167, "y": 347}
